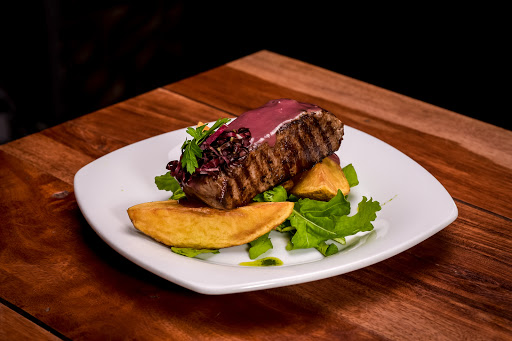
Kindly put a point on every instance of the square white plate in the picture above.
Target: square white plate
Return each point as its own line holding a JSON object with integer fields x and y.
{"x": 414, "y": 207}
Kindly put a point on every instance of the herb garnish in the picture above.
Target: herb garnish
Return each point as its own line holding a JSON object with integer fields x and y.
{"x": 191, "y": 150}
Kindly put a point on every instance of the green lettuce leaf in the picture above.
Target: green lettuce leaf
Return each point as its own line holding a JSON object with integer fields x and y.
{"x": 259, "y": 246}
{"x": 190, "y": 252}
{"x": 167, "y": 182}
{"x": 351, "y": 175}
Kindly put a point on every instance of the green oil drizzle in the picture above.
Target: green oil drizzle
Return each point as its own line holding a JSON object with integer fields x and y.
{"x": 267, "y": 261}
{"x": 390, "y": 200}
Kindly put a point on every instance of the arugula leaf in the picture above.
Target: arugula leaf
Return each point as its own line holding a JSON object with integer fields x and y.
{"x": 190, "y": 252}
{"x": 263, "y": 243}
{"x": 361, "y": 221}
{"x": 167, "y": 182}
{"x": 340, "y": 240}
{"x": 327, "y": 249}
{"x": 285, "y": 226}
{"x": 273, "y": 195}
{"x": 190, "y": 148}
{"x": 351, "y": 175}
{"x": 293, "y": 198}
{"x": 316, "y": 221}
{"x": 259, "y": 246}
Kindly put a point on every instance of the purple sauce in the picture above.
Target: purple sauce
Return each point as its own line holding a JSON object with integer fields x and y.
{"x": 265, "y": 121}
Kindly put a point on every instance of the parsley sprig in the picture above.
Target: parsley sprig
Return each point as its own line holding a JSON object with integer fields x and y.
{"x": 190, "y": 148}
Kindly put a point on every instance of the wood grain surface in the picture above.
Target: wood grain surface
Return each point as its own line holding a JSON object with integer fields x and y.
{"x": 14, "y": 326}
{"x": 65, "y": 282}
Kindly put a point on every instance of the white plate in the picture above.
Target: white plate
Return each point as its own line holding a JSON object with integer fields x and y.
{"x": 415, "y": 206}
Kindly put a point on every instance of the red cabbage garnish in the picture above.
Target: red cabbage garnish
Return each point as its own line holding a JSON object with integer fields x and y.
{"x": 221, "y": 149}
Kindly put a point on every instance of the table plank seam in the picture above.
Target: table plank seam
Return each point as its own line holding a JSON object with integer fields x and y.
{"x": 33, "y": 319}
{"x": 199, "y": 101}
{"x": 481, "y": 209}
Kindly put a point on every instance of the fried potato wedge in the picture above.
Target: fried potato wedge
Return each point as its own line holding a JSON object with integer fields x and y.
{"x": 321, "y": 182}
{"x": 204, "y": 227}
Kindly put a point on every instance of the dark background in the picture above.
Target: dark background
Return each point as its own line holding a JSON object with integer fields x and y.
{"x": 62, "y": 59}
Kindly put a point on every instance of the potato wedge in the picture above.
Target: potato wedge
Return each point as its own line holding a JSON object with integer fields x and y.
{"x": 204, "y": 227}
{"x": 321, "y": 182}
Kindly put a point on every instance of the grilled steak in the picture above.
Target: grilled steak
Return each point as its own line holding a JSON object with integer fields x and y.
{"x": 287, "y": 137}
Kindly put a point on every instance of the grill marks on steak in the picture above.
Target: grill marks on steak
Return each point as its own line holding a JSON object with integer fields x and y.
{"x": 300, "y": 144}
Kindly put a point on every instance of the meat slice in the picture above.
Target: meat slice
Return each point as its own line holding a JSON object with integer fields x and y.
{"x": 304, "y": 136}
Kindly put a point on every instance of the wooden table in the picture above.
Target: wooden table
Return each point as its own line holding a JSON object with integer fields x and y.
{"x": 58, "y": 279}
